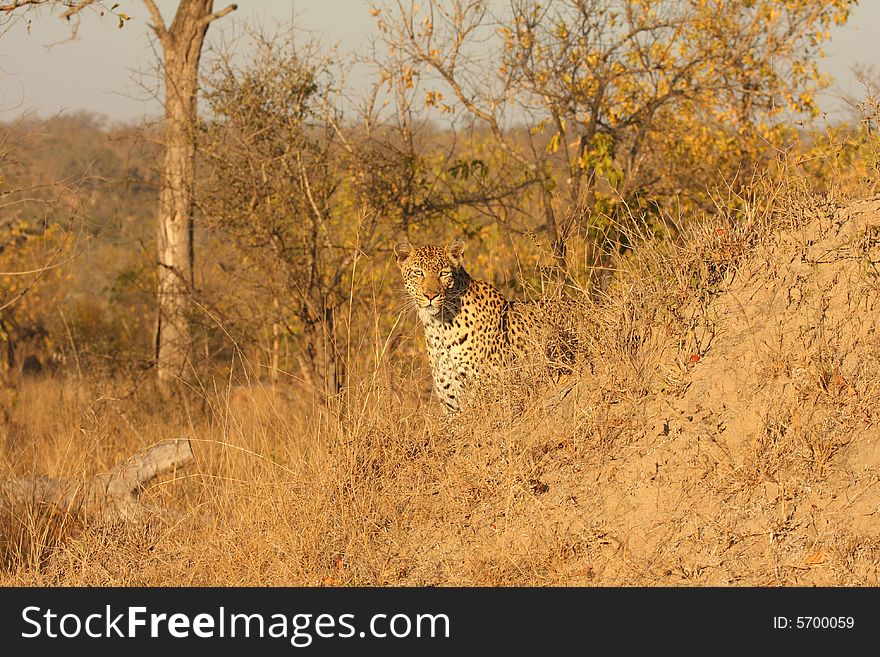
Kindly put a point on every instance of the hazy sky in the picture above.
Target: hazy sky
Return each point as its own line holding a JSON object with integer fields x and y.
{"x": 96, "y": 72}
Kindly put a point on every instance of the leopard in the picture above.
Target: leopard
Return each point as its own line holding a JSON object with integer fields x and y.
{"x": 472, "y": 331}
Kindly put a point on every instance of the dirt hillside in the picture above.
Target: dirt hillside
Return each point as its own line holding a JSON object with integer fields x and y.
{"x": 744, "y": 450}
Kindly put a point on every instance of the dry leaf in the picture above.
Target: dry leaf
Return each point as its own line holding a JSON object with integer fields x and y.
{"x": 815, "y": 559}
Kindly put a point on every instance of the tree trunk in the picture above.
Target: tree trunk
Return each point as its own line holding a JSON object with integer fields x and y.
{"x": 182, "y": 47}
{"x": 175, "y": 224}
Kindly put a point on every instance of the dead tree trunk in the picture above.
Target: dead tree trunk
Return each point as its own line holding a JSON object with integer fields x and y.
{"x": 181, "y": 47}
{"x": 113, "y": 495}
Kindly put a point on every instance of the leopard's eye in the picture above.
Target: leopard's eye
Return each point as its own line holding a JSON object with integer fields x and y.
{"x": 445, "y": 273}
{"x": 418, "y": 272}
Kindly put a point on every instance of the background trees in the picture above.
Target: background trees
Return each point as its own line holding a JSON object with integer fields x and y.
{"x": 275, "y": 172}
{"x": 77, "y": 199}
{"x": 616, "y": 108}
{"x": 548, "y": 136}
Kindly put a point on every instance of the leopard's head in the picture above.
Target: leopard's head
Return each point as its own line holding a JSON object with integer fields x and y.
{"x": 431, "y": 273}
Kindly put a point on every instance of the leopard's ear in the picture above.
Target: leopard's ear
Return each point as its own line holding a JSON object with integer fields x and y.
{"x": 455, "y": 251}
{"x": 402, "y": 251}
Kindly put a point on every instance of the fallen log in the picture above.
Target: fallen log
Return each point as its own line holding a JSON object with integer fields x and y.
{"x": 113, "y": 495}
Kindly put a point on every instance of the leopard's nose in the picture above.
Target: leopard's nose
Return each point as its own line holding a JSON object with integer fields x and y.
{"x": 430, "y": 297}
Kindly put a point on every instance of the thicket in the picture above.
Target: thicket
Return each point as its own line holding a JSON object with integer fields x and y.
{"x": 551, "y": 138}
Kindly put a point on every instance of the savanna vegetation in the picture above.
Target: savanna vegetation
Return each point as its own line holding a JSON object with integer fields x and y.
{"x": 661, "y": 164}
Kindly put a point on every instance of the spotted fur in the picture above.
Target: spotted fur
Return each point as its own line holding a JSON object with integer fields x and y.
{"x": 471, "y": 329}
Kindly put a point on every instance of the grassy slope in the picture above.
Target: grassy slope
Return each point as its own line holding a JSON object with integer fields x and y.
{"x": 722, "y": 430}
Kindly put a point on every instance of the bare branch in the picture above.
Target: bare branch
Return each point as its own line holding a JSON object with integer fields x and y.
{"x": 74, "y": 9}
{"x": 18, "y": 4}
{"x": 158, "y": 25}
{"x": 218, "y": 14}
{"x": 73, "y": 6}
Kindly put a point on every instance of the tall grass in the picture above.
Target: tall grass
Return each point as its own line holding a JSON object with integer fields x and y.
{"x": 597, "y": 478}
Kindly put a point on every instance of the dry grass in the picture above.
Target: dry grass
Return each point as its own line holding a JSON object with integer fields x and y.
{"x": 721, "y": 430}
